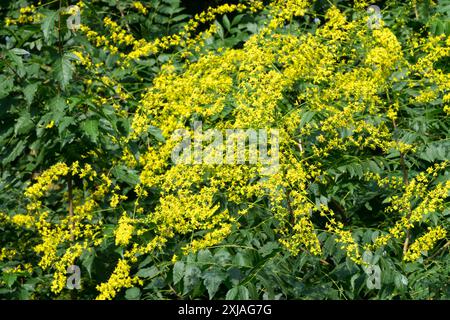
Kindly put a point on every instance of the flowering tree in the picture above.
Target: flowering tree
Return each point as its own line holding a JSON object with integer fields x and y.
{"x": 93, "y": 94}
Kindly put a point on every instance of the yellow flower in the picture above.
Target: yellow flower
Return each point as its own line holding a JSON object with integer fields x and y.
{"x": 140, "y": 7}
{"x": 23, "y": 220}
{"x": 124, "y": 230}
{"x": 119, "y": 279}
{"x": 424, "y": 243}
{"x": 50, "y": 124}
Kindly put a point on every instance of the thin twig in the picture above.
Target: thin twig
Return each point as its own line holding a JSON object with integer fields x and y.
{"x": 415, "y": 10}
{"x": 443, "y": 248}
{"x": 70, "y": 196}
{"x": 289, "y": 207}
{"x": 60, "y": 46}
{"x": 406, "y": 183}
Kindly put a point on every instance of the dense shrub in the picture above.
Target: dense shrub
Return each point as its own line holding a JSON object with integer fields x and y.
{"x": 357, "y": 205}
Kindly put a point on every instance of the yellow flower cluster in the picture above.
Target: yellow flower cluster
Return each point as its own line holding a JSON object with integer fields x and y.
{"x": 362, "y": 3}
{"x": 77, "y": 228}
{"x": 119, "y": 279}
{"x": 97, "y": 39}
{"x": 27, "y": 15}
{"x": 116, "y": 198}
{"x": 447, "y": 109}
{"x": 68, "y": 259}
{"x": 184, "y": 38}
{"x": 211, "y": 14}
{"x": 286, "y": 10}
{"x": 303, "y": 235}
{"x": 140, "y": 7}
{"x": 417, "y": 189}
{"x": 200, "y": 90}
{"x": 124, "y": 230}
{"x": 23, "y": 220}
{"x": 424, "y": 243}
{"x": 83, "y": 59}
{"x": 210, "y": 239}
{"x": 118, "y": 35}
{"x": 19, "y": 269}
{"x": 7, "y": 254}
{"x": 46, "y": 179}
{"x": 345, "y": 238}
{"x": 435, "y": 49}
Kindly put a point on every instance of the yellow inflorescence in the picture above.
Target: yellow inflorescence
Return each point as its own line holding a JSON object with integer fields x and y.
{"x": 7, "y": 254}
{"x": 431, "y": 202}
{"x": 140, "y": 7}
{"x": 23, "y": 220}
{"x": 46, "y": 179}
{"x": 253, "y": 81}
{"x": 27, "y": 15}
{"x": 59, "y": 277}
{"x": 345, "y": 238}
{"x": 119, "y": 279}
{"x": 124, "y": 230}
{"x": 424, "y": 243}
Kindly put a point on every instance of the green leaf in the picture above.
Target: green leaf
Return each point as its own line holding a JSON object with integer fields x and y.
{"x": 48, "y": 24}
{"x": 5, "y": 290}
{"x": 63, "y": 69}
{"x": 9, "y": 279}
{"x": 64, "y": 123}
{"x": 157, "y": 133}
{"x": 204, "y": 257}
{"x": 237, "y": 293}
{"x": 133, "y": 293}
{"x": 17, "y": 151}
{"x": 226, "y": 22}
{"x": 401, "y": 281}
{"x": 219, "y": 30}
{"x": 212, "y": 280}
{"x": 222, "y": 256}
{"x": 178, "y": 271}
{"x": 6, "y": 86}
{"x": 147, "y": 272}
{"x": 29, "y": 92}
{"x": 437, "y": 27}
{"x": 306, "y": 118}
{"x": 242, "y": 260}
{"x": 57, "y": 107}
{"x": 267, "y": 249}
{"x": 353, "y": 279}
{"x": 125, "y": 174}
{"x": 237, "y": 19}
{"x": 146, "y": 261}
{"x": 374, "y": 167}
{"x": 252, "y": 27}
{"x": 87, "y": 259}
{"x": 19, "y": 52}
{"x": 191, "y": 277}
{"x": 23, "y": 124}
{"x": 180, "y": 17}
{"x": 6, "y": 135}
{"x": 90, "y": 128}
{"x": 447, "y": 27}
{"x": 18, "y": 62}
